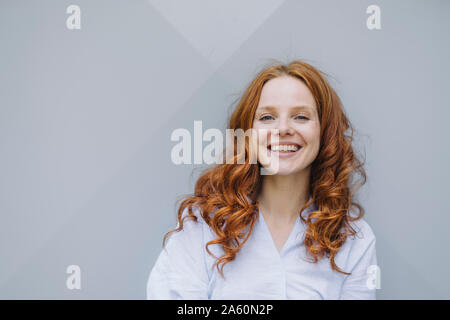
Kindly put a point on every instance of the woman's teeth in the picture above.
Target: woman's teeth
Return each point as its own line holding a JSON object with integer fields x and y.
{"x": 284, "y": 148}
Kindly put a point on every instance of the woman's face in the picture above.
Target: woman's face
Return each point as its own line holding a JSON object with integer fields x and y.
{"x": 288, "y": 105}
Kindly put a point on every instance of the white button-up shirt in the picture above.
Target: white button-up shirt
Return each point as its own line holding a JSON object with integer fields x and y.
{"x": 184, "y": 269}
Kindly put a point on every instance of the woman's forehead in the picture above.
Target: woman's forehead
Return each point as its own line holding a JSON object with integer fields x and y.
{"x": 286, "y": 92}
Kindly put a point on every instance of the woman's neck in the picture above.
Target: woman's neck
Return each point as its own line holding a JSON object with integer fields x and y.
{"x": 282, "y": 197}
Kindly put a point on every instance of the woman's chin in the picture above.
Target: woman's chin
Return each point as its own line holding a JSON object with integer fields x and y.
{"x": 281, "y": 170}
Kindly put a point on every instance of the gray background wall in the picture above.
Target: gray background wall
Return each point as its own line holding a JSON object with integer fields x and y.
{"x": 86, "y": 117}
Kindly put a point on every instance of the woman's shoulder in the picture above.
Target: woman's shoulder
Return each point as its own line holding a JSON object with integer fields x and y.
{"x": 363, "y": 230}
{"x": 192, "y": 230}
{"x": 361, "y": 243}
{"x": 359, "y": 250}
{"x": 195, "y": 211}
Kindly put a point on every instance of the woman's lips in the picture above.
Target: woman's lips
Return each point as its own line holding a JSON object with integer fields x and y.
{"x": 284, "y": 154}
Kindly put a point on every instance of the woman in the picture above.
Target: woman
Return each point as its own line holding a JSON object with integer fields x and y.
{"x": 291, "y": 234}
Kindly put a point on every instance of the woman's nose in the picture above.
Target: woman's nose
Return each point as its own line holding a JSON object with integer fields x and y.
{"x": 285, "y": 127}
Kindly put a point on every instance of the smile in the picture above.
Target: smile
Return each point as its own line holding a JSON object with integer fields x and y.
{"x": 284, "y": 150}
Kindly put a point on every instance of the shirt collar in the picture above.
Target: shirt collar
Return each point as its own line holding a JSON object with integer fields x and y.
{"x": 312, "y": 207}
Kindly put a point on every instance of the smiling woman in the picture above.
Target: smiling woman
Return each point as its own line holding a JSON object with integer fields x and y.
{"x": 289, "y": 235}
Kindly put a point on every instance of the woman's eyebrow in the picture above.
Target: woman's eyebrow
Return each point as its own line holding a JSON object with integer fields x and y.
{"x": 305, "y": 107}
{"x": 295, "y": 108}
{"x": 266, "y": 108}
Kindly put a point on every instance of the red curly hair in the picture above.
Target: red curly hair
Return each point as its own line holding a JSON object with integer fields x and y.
{"x": 227, "y": 193}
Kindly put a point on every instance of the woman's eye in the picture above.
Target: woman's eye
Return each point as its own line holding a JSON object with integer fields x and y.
{"x": 268, "y": 117}
{"x": 265, "y": 118}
